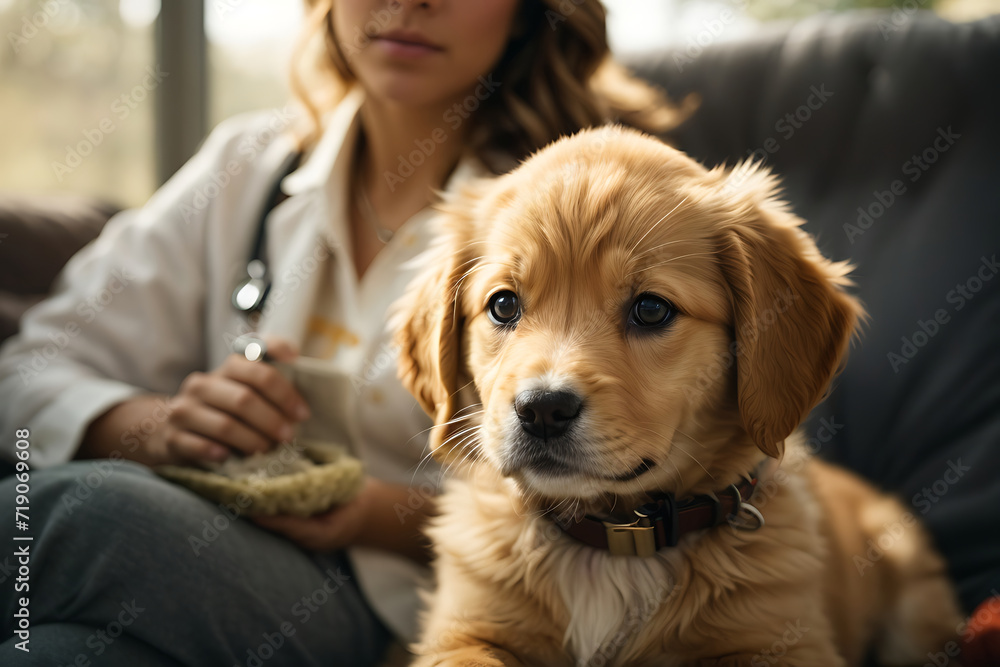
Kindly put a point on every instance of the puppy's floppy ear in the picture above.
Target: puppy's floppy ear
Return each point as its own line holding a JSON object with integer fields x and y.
{"x": 792, "y": 319}
{"x": 428, "y": 321}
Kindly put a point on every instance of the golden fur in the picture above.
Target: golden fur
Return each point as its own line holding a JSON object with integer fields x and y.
{"x": 577, "y": 232}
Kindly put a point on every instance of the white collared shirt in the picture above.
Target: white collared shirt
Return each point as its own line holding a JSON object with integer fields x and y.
{"x": 148, "y": 302}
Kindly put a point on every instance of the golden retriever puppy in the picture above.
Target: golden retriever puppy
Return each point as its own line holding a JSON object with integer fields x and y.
{"x": 617, "y": 346}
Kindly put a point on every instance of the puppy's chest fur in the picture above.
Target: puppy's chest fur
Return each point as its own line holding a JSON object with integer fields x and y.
{"x": 605, "y": 609}
{"x": 609, "y": 601}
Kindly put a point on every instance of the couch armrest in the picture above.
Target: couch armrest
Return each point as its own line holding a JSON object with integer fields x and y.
{"x": 38, "y": 234}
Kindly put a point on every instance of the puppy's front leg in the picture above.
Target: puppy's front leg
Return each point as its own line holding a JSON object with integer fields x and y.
{"x": 469, "y": 623}
{"x": 455, "y": 638}
{"x": 472, "y": 655}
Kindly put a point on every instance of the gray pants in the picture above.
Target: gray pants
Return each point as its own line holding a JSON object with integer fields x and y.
{"x": 127, "y": 569}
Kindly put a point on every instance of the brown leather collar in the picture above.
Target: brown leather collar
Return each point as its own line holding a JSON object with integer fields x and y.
{"x": 662, "y": 522}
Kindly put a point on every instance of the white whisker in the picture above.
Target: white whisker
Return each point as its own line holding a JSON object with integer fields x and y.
{"x": 655, "y": 224}
{"x": 672, "y": 259}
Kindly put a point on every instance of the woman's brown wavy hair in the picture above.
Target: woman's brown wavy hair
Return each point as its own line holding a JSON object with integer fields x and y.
{"x": 557, "y": 77}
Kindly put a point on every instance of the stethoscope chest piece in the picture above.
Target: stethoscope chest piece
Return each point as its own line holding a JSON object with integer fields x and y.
{"x": 249, "y": 295}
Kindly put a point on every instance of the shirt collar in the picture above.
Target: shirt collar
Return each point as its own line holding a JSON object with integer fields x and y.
{"x": 316, "y": 168}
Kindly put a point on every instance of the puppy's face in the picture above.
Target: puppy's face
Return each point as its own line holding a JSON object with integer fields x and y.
{"x": 611, "y": 319}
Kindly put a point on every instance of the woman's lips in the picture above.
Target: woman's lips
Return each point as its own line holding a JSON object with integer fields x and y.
{"x": 406, "y": 45}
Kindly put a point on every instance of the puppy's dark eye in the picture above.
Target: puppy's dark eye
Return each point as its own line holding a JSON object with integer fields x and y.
{"x": 504, "y": 308}
{"x": 650, "y": 310}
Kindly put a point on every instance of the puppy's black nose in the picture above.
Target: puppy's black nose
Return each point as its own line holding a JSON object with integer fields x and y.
{"x": 546, "y": 414}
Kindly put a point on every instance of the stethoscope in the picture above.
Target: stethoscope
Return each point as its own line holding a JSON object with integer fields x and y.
{"x": 251, "y": 292}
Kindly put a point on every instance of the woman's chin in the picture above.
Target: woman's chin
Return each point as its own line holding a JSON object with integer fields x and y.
{"x": 408, "y": 89}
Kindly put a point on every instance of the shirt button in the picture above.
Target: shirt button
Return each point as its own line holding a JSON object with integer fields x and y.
{"x": 376, "y": 397}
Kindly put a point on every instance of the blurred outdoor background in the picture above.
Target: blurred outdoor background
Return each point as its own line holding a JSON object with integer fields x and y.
{"x": 82, "y": 75}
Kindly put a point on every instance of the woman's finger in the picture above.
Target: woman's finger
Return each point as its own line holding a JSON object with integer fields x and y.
{"x": 244, "y": 403}
{"x": 185, "y": 446}
{"x": 281, "y": 349}
{"x": 266, "y": 380}
{"x": 192, "y": 415}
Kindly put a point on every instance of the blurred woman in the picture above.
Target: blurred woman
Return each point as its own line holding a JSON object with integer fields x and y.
{"x": 398, "y": 100}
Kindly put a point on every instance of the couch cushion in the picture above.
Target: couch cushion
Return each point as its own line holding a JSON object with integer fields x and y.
{"x": 38, "y": 234}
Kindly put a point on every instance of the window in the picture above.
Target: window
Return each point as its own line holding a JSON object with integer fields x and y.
{"x": 78, "y": 81}
{"x": 249, "y": 50}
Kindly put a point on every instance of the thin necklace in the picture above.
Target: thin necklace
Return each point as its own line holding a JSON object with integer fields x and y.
{"x": 367, "y": 209}
{"x": 368, "y": 212}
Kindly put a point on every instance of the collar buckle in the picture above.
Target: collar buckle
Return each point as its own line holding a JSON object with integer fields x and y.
{"x": 630, "y": 539}
{"x": 655, "y": 527}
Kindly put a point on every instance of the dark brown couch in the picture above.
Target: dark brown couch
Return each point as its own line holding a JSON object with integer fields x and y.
{"x": 37, "y": 236}
{"x": 885, "y": 130}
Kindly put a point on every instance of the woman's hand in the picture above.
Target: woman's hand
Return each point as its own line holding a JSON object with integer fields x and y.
{"x": 372, "y": 519}
{"x": 242, "y": 406}
{"x": 333, "y": 530}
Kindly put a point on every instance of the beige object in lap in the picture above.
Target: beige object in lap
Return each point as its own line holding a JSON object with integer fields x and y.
{"x": 304, "y": 477}
{"x": 300, "y": 478}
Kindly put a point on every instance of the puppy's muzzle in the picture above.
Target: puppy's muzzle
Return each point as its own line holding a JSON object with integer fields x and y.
{"x": 547, "y": 414}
